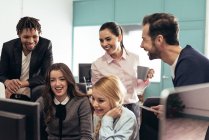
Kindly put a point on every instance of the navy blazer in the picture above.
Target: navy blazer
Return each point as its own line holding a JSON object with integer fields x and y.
{"x": 191, "y": 68}
{"x": 11, "y": 61}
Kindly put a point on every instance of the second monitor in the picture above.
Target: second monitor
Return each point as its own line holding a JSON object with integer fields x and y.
{"x": 84, "y": 73}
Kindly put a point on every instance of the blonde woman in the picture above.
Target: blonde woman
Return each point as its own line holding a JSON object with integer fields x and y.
{"x": 115, "y": 121}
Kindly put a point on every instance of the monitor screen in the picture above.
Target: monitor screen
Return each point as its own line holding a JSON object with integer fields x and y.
{"x": 186, "y": 113}
{"x": 28, "y": 109}
{"x": 84, "y": 71}
{"x": 14, "y": 124}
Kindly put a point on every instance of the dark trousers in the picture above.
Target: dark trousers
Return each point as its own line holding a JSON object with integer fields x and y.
{"x": 20, "y": 97}
{"x": 149, "y": 129}
{"x": 207, "y": 134}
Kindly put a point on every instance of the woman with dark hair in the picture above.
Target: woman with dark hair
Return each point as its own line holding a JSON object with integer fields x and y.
{"x": 66, "y": 111}
{"x": 120, "y": 62}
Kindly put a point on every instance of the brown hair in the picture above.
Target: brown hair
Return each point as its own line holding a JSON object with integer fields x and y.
{"x": 163, "y": 24}
{"x": 48, "y": 94}
{"x": 115, "y": 29}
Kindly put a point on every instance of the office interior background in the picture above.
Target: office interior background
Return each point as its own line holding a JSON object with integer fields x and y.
{"x": 73, "y": 27}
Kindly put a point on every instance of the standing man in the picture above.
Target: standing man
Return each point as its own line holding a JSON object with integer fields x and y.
{"x": 24, "y": 61}
{"x": 188, "y": 66}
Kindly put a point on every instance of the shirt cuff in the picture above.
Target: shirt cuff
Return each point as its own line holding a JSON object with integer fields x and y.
{"x": 107, "y": 121}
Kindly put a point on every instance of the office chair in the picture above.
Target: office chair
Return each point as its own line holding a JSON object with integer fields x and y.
{"x": 82, "y": 87}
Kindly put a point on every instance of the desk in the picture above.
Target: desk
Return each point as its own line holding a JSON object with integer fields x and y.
{"x": 185, "y": 129}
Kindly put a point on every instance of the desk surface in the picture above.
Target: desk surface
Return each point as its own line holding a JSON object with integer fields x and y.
{"x": 185, "y": 129}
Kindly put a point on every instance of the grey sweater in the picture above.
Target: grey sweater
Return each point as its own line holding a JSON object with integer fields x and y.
{"x": 77, "y": 124}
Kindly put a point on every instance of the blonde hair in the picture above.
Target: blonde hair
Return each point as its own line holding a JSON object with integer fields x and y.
{"x": 113, "y": 89}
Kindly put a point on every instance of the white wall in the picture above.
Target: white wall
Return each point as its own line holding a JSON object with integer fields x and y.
{"x": 55, "y": 17}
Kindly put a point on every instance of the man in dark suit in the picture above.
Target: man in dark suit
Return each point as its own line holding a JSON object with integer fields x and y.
{"x": 188, "y": 66}
{"x": 24, "y": 61}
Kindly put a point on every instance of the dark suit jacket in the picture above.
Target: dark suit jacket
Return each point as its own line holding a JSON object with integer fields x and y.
{"x": 191, "y": 68}
{"x": 11, "y": 60}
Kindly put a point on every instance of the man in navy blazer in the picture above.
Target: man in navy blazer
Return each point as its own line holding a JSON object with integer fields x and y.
{"x": 191, "y": 68}
{"x": 160, "y": 39}
{"x": 188, "y": 66}
{"x": 24, "y": 61}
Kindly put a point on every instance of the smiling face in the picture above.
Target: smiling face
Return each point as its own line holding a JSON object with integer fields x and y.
{"x": 100, "y": 103}
{"x": 110, "y": 43}
{"x": 29, "y": 39}
{"x": 148, "y": 44}
{"x": 58, "y": 85}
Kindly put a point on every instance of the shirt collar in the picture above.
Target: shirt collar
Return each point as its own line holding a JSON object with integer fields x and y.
{"x": 173, "y": 66}
{"x": 64, "y": 102}
{"x": 109, "y": 59}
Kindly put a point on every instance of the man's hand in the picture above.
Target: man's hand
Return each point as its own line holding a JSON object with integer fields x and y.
{"x": 7, "y": 93}
{"x": 150, "y": 73}
{"x": 12, "y": 86}
{"x": 159, "y": 109}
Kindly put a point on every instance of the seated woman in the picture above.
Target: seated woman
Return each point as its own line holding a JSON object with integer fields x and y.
{"x": 114, "y": 120}
{"x": 66, "y": 111}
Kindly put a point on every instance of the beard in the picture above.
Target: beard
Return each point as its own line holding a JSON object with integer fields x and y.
{"x": 154, "y": 53}
{"x": 152, "y": 56}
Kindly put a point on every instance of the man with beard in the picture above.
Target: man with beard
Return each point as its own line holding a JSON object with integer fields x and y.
{"x": 160, "y": 40}
{"x": 24, "y": 61}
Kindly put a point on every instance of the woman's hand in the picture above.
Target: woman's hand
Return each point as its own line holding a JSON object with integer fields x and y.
{"x": 115, "y": 112}
{"x": 12, "y": 86}
{"x": 150, "y": 73}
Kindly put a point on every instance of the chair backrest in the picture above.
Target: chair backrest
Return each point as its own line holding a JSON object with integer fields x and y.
{"x": 82, "y": 87}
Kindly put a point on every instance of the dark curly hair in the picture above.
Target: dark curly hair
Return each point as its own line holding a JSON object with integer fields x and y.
{"x": 28, "y": 23}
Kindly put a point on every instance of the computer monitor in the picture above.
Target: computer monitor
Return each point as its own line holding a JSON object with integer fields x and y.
{"x": 186, "y": 113}
{"x": 28, "y": 110}
{"x": 84, "y": 71}
{"x": 14, "y": 124}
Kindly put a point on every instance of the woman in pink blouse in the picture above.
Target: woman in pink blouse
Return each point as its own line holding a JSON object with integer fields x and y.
{"x": 119, "y": 62}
